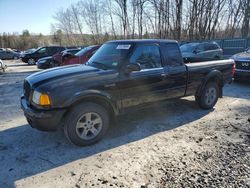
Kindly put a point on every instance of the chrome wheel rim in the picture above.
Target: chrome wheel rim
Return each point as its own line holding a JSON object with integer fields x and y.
{"x": 89, "y": 125}
{"x": 31, "y": 61}
{"x": 210, "y": 96}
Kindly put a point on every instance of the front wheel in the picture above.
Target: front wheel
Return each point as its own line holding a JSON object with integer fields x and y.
{"x": 86, "y": 124}
{"x": 209, "y": 96}
{"x": 31, "y": 61}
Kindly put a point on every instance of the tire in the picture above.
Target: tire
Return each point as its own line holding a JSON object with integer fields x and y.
{"x": 209, "y": 96}
{"x": 31, "y": 61}
{"x": 82, "y": 120}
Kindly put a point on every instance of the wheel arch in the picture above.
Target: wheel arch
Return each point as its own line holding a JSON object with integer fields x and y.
{"x": 214, "y": 76}
{"x": 98, "y": 98}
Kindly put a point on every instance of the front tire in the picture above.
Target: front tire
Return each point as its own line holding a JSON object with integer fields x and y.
{"x": 31, "y": 61}
{"x": 209, "y": 96}
{"x": 86, "y": 124}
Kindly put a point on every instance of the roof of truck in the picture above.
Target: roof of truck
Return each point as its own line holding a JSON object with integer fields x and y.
{"x": 143, "y": 41}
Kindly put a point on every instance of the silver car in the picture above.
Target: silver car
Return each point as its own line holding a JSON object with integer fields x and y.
{"x": 201, "y": 51}
{"x": 3, "y": 67}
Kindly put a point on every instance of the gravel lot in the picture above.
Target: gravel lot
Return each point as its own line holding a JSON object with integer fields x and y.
{"x": 175, "y": 144}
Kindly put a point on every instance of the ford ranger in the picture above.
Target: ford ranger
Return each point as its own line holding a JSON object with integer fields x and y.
{"x": 121, "y": 76}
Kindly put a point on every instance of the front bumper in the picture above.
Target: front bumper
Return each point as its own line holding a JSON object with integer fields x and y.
{"x": 241, "y": 73}
{"x": 44, "y": 65}
{"x": 44, "y": 120}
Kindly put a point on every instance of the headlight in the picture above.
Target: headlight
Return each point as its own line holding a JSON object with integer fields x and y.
{"x": 41, "y": 98}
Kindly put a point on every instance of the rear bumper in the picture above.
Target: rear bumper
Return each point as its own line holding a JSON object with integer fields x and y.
{"x": 44, "y": 120}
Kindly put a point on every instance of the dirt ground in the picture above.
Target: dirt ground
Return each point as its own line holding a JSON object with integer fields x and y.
{"x": 175, "y": 144}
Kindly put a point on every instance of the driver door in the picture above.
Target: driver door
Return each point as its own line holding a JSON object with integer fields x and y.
{"x": 148, "y": 84}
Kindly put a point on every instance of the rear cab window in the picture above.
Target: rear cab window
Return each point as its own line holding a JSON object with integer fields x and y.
{"x": 172, "y": 54}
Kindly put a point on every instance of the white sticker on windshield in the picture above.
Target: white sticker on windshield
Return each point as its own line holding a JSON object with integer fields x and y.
{"x": 123, "y": 47}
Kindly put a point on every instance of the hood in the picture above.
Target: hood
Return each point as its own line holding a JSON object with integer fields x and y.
{"x": 57, "y": 73}
{"x": 45, "y": 58}
{"x": 241, "y": 56}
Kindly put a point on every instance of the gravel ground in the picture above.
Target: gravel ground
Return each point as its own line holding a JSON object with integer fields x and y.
{"x": 175, "y": 144}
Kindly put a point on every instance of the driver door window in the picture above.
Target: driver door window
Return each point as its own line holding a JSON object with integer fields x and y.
{"x": 148, "y": 56}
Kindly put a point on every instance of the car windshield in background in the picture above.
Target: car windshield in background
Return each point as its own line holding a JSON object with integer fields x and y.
{"x": 248, "y": 50}
{"x": 109, "y": 56}
{"x": 83, "y": 51}
{"x": 190, "y": 47}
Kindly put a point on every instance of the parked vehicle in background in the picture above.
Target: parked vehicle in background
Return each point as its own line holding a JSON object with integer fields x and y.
{"x": 80, "y": 57}
{"x": 58, "y": 57}
{"x": 3, "y": 67}
{"x": 45, "y": 62}
{"x": 242, "y": 65}
{"x": 8, "y": 54}
{"x": 121, "y": 76}
{"x": 32, "y": 57}
{"x": 201, "y": 51}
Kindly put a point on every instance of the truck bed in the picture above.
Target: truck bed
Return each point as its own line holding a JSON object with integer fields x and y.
{"x": 197, "y": 72}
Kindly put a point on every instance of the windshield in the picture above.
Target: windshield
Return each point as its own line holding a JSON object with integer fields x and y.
{"x": 109, "y": 56}
{"x": 190, "y": 47}
{"x": 83, "y": 51}
{"x": 248, "y": 50}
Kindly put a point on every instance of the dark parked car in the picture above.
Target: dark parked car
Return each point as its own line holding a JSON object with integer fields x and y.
{"x": 120, "y": 76}
{"x": 80, "y": 57}
{"x": 204, "y": 51}
{"x": 33, "y": 56}
{"x": 45, "y": 62}
{"x": 242, "y": 63}
{"x": 8, "y": 54}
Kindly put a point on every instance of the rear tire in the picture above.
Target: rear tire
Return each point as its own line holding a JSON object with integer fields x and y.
{"x": 86, "y": 124}
{"x": 209, "y": 96}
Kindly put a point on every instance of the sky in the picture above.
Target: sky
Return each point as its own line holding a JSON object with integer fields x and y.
{"x": 34, "y": 15}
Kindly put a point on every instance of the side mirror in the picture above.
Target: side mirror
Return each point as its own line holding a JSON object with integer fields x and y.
{"x": 132, "y": 67}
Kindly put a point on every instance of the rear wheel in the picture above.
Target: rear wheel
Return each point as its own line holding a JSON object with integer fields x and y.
{"x": 209, "y": 96}
{"x": 86, "y": 124}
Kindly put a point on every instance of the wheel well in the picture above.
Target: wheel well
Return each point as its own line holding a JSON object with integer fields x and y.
{"x": 98, "y": 100}
{"x": 217, "y": 79}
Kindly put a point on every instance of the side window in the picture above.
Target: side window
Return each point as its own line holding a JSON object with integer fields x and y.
{"x": 172, "y": 54}
{"x": 148, "y": 56}
{"x": 42, "y": 51}
{"x": 201, "y": 48}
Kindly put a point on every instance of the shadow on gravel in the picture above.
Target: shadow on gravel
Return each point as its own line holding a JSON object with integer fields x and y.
{"x": 25, "y": 152}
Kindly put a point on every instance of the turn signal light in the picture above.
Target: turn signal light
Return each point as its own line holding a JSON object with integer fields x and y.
{"x": 45, "y": 100}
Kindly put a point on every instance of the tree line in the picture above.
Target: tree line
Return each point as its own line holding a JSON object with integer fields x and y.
{"x": 95, "y": 21}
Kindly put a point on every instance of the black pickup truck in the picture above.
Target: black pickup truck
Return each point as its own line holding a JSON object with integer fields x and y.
{"x": 121, "y": 76}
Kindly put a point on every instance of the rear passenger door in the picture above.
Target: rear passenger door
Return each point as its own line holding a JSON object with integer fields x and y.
{"x": 176, "y": 72}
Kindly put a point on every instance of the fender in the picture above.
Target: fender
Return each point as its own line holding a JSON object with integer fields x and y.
{"x": 93, "y": 93}
{"x": 214, "y": 74}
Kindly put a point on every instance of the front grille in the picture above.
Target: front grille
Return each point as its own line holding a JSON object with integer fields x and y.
{"x": 26, "y": 90}
{"x": 243, "y": 65}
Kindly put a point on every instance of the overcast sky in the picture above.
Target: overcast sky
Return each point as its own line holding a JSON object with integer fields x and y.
{"x": 34, "y": 15}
